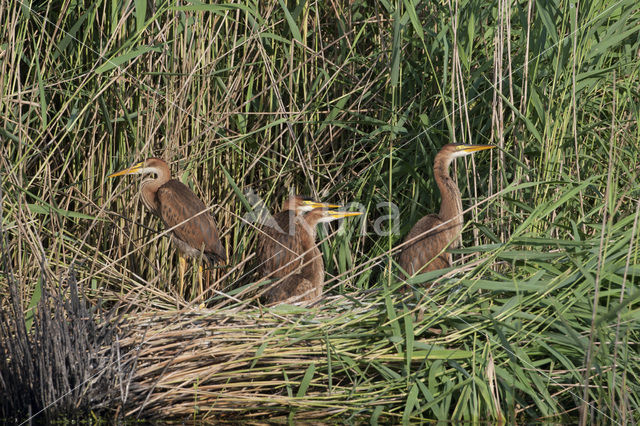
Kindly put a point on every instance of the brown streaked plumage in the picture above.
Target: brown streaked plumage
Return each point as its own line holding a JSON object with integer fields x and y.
{"x": 175, "y": 203}
{"x": 424, "y": 246}
{"x": 278, "y": 248}
{"x": 288, "y": 254}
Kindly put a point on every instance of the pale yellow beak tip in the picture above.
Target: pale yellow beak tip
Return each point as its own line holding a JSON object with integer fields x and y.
{"x": 317, "y": 204}
{"x": 474, "y": 148}
{"x": 340, "y": 215}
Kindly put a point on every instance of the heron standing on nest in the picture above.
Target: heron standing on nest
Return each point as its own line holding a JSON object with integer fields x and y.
{"x": 193, "y": 229}
{"x": 424, "y": 247}
{"x": 287, "y": 251}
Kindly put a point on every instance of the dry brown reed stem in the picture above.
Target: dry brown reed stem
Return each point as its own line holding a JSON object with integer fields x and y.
{"x": 49, "y": 362}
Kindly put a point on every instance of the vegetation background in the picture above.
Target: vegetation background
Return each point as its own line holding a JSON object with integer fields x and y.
{"x": 348, "y": 102}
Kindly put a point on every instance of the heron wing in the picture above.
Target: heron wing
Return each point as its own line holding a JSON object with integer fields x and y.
{"x": 280, "y": 247}
{"x": 426, "y": 245}
{"x": 178, "y": 203}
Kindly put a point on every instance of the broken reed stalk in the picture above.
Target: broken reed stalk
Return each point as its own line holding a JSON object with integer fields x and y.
{"x": 174, "y": 364}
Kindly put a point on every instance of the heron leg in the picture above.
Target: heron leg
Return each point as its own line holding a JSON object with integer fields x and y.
{"x": 200, "y": 280}
{"x": 182, "y": 266}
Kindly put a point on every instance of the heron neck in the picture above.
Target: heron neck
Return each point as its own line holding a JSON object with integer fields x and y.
{"x": 149, "y": 187}
{"x": 309, "y": 224}
{"x": 313, "y": 267}
{"x": 451, "y": 206}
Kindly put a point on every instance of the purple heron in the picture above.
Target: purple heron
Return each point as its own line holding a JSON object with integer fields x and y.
{"x": 277, "y": 250}
{"x": 424, "y": 246}
{"x": 287, "y": 250}
{"x": 193, "y": 229}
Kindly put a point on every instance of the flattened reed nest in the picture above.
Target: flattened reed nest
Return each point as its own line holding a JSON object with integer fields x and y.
{"x": 226, "y": 363}
{"x": 240, "y": 362}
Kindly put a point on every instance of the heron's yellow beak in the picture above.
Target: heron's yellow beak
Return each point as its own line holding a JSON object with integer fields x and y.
{"x": 133, "y": 169}
{"x": 317, "y": 204}
{"x": 474, "y": 148}
{"x": 339, "y": 215}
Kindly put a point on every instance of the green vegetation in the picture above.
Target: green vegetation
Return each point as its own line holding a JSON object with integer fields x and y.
{"x": 348, "y": 102}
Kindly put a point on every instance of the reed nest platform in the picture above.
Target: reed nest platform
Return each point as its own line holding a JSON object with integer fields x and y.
{"x": 383, "y": 356}
{"x": 337, "y": 358}
{"x": 252, "y": 364}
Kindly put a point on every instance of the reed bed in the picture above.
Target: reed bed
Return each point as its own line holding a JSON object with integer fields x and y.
{"x": 346, "y": 102}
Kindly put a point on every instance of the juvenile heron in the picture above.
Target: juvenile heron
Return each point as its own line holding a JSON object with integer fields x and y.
{"x": 424, "y": 246}
{"x": 287, "y": 251}
{"x": 193, "y": 229}
{"x": 276, "y": 244}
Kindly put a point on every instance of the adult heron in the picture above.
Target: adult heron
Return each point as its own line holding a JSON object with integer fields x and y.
{"x": 193, "y": 229}
{"x": 424, "y": 247}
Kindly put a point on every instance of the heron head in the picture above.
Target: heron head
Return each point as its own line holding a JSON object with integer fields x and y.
{"x": 303, "y": 204}
{"x": 460, "y": 149}
{"x": 322, "y": 215}
{"x": 150, "y": 165}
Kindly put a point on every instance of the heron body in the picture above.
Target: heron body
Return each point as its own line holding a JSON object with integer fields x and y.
{"x": 193, "y": 229}
{"x": 278, "y": 246}
{"x": 424, "y": 247}
{"x": 287, "y": 251}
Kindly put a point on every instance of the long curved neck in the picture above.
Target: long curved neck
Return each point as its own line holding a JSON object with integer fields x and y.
{"x": 149, "y": 187}
{"x": 313, "y": 268}
{"x": 451, "y": 207}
